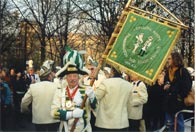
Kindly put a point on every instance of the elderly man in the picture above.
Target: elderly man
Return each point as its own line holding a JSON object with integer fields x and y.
{"x": 40, "y": 95}
{"x": 31, "y": 76}
{"x": 68, "y": 100}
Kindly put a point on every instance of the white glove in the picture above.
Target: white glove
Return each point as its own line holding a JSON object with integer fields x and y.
{"x": 69, "y": 115}
{"x": 77, "y": 113}
{"x": 90, "y": 93}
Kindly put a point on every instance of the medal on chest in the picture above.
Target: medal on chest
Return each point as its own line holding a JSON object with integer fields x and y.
{"x": 69, "y": 104}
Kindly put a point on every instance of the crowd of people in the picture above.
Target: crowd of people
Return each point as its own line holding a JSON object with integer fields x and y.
{"x": 79, "y": 99}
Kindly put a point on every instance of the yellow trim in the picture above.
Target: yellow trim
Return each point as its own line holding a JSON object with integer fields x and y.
{"x": 72, "y": 69}
{"x": 156, "y": 17}
{"x": 128, "y": 3}
{"x": 169, "y": 12}
{"x": 162, "y": 23}
{"x": 135, "y": 9}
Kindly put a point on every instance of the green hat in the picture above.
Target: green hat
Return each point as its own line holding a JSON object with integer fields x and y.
{"x": 74, "y": 56}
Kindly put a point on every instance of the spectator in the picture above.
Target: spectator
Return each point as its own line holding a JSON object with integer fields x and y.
{"x": 19, "y": 91}
{"x": 12, "y": 78}
{"x": 153, "y": 111}
{"x": 177, "y": 85}
{"x": 31, "y": 76}
{"x": 6, "y": 104}
{"x": 6, "y": 77}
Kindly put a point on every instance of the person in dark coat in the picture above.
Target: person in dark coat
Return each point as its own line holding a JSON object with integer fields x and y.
{"x": 6, "y": 104}
{"x": 153, "y": 113}
{"x": 19, "y": 91}
{"x": 177, "y": 85}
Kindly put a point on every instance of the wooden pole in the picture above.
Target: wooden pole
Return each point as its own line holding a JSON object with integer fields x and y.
{"x": 85, "y": 98}
{"x": 97, "y": 71}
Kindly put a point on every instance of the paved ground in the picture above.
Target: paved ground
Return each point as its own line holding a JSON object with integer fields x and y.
{"x": 188, "y": 127}
{"x": 20, "y": 124}
{"x": 25, "y": 125}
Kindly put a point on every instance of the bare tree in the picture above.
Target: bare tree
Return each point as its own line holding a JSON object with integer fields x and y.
{"x": 99, "y": 19}
{"x": 8, "y": 28}
{"x": 55, "y": 19}
{"x": 42, "y": 13}
{"x": 184, "y": 10}
{"x": 89, "y": 22}
{"x": 64, "y": 19}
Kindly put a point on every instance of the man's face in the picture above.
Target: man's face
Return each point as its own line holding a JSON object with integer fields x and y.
{"x": 51, "y": 76}
{"x": 31, "y": 71}
{"x": 12, "y": 72}
{"x": 72, "y": 79}
{"x": 134, "y": 77}
{"x": 92, "y": 70}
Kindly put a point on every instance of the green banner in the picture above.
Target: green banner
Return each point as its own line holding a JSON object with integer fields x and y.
{"x": 142, "y": 46}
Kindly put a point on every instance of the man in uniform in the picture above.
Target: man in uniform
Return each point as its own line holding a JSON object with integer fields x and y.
{"x": 113, "y": 97}
{"x": 41, "y": 95}
{"x": 68, "y": 99}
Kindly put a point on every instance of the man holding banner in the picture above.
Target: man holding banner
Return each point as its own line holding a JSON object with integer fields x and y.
{"x": 68, "y": 100}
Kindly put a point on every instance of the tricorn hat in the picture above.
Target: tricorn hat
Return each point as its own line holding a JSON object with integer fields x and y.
{"x": 70, "y": 68}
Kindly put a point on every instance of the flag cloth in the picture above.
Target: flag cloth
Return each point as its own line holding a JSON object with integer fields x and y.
{"x": 143, "y": 45}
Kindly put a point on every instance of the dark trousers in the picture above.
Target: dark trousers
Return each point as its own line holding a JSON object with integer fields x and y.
{"x": 53, "y": 127}
{"x": 6, "y": 118}
{"x": 154, "y": 122}
{"x": 98, "y": 129}
{"x": 92, "y": 121}
{"x": 134, "y": 125}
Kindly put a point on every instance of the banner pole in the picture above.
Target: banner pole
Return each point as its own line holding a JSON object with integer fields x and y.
{"x": 97, "y": 71}
{"x": 85, "y": 97}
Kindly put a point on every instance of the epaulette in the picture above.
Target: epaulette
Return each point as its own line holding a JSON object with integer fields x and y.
{"x": 82, "y": 86}
{"x": 82, "y": 90}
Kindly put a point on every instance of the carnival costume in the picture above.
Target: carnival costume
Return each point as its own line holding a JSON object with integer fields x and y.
{"x": 41, "y": 95}
{"x": 67, "y": 102}
{"x": 69, "y": 105}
